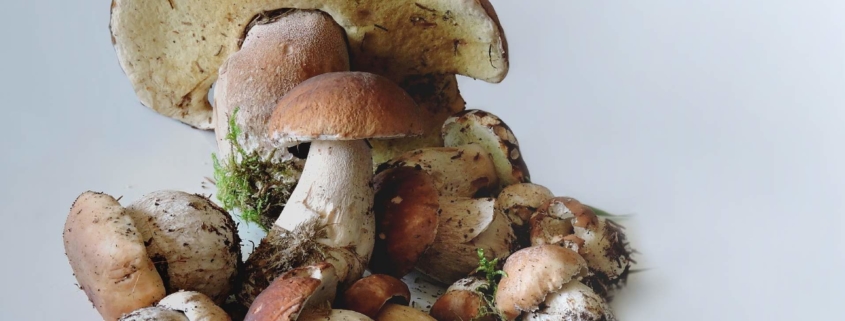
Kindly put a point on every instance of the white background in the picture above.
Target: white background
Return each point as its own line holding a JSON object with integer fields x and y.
{"x": 719, "y": 124}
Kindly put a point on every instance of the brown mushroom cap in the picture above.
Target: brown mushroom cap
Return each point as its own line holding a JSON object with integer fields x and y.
{"x": 368, "y": 295}
{"x": 108, "y": 257}
{"x": 406, "y": 211}
{"x": 344, "y": 106}
{"x": 275, "y": 57}
{"x": 533, "y": 273}
{"x": 293, "y": 292}
{"x": 171, "y": 51}
{"x": 462, "y": 301}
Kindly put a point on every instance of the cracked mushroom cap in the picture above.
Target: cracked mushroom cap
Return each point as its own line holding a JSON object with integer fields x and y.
{"x": 575, "y": 301}
{"x": 276, "y": 55}
{"x": 462, "y": 171}
{"x": 291, "y": 293}
{"x": 193, "y": 243}
{"x": 462, "y": 301}
{"x": 486, "y": 129}
{"x": 466, "y": 225}
{"x": 406, "y": 210}
{"x": 171, "y": 50}
{"x": 344, "y": 106}
{"x": 534, "y": 273}
{"x": 368, "y": 295}
{"x": 108, "y": 257}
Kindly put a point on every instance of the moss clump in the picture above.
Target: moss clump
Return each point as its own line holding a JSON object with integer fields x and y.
{"x": 255, "y": 186}
{"x": 491, "y": 272}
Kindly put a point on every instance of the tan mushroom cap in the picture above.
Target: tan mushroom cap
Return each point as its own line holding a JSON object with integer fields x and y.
{"x": 344, "y": 106}
{"x": 294, "y": 291}
{"x": 196, "y": 306}
{"x": 406, "y": 210}
{"x": 395, "y": 312}
{"x": 171, "y": 50}
{"x": 108, "y": 257}
{"x": 533, "y": 273}
{"x": 520, "y": 201}
{"x": 332, "y": 315}
{"x": 368, "y": 295}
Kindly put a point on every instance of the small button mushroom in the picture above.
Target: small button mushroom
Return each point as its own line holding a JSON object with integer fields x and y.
{"x": 277, "y": 54}
{"x": 462, "y": 301}
{"x": 467, "y": 40}
{"x": 602, "y": 242}
{"x": 407, "y": 214}
{"x": 466, "y": 225}
{"x": 368, "y": 295}
{"x": 396, "y": 312}
{"x": 180, "y": 306}
{"x": 108, "y": 257}
{"x": 532, "y": 274}
{"x": 464, "y": 171}
{"x": 193, "y": 243}
{"x": 306, "y": 288}
{"x": 487, "y": 130}
{"x": 331, "y": 208}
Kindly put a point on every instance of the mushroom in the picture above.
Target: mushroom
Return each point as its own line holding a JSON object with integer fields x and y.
{"x": 466, "y": 171}
{"x": 541, "y": 280}
{"x": 466, "y": 225}
{"x": 396, "y": 312}
{"x": 277, "y": 54}
{"x": 329, "y": 215}
{"x": 305, "y": 288}
{"x": 519, "y": 202}
{"x": 476, "y": 126}
{"x": 602, "y": 242}
{"x": 108, "y": 257}
{"x": 332, "y": 315}
{"x": 180, "y": 306}
{"x": 407, "y": 214}
{"x": 193, "y": 243}
{"x": 171, "y": 51}
{"x": 368, "y": 295}
{"x": 462, "y": 301}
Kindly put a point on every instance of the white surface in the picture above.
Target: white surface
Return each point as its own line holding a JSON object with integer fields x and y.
{"x": 718, "y": 123}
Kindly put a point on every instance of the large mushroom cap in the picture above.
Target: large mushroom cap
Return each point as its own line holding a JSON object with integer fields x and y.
{"x": 292, "y": 292}
{"x": 171, "y": 50}
{"x": 533, "y": 273}
{"x": 345, "y": 106}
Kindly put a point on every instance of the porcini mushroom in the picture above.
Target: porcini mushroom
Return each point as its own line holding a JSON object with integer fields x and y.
{"x": 407, "y": 214}
{"x": 547, "y": 276}
{"x": 329, "y": 215}
{"x": 171, "y": 51}
{"x": 108, "y": 257}
{"x": 278, "y": 53}
{"x": 193, "y": 243}
{"x": 368, "y": 295}
{"x": 486, "y": 129}
{"x": 396, "y": 312}
{"x": 519, "y": 202}
{"x": 466, "y": 225}
{"x": 196, "y": 306}
{"x": 298, "y": 290}
{"x": 567, "y": 222}
{"x": 462, "y": 301}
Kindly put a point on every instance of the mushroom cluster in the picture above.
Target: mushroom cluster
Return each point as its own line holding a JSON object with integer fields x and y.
{"x": 341, "y": 132}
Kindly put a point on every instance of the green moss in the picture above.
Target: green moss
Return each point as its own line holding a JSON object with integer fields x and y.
{"x": 491, "y": 272}
{"x": 251, "y": 184}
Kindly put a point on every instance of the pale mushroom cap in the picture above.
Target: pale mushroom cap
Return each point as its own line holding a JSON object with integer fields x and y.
{"x": 533, "y": 273}
{"x": 333, "y": 315}
{"x": 193, "y": 243}
{"x": 395, "y": 312}
{"x": 486, "y": 129}
{"x": 344, "y": 106}
{"x": 154, "y": 314}
{"x": 108, "y": 257}
{"x": 368, "y": 295}
{"x": 461, "y": 171}
{"x": 171, "y": 51}
{"x": 196, "y": 306}
{"x": 274, "y": 58}
{"x": 574, "y": 302}
{"x": 406, "y": 210}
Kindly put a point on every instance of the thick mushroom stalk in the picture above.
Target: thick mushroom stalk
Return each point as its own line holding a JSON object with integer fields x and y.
{"x": 329, "y": 215}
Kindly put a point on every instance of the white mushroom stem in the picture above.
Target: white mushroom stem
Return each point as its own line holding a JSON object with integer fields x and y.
{"x": 335, "y": 191}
